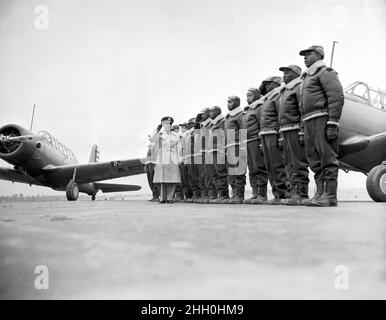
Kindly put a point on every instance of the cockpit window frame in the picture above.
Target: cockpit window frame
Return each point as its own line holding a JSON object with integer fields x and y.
{"x": 56, "y": 144}
{"x": 370, "y": 95}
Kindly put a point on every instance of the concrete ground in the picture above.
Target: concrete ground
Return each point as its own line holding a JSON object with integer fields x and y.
{"x": 143, "y": 250}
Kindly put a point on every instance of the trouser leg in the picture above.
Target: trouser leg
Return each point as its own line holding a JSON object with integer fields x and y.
{"x": 252, "y": 160}
{"x": 262, "y": 175}
{"x": 194, "y": 177}
{"x": 163, "y": 192}
{"x": 299, "y": 162}
{"x": 221, "y": 174}
{"x": 289, "y": 169}
{"x": 170, "y": 191}
{"x": 154, "y": 187}
{"x": 237, "y": 164}
{"x": 312, "y": 153}
{"x": 186, "y": 185}
{"x": 210, "y": 181}
{"x": 201, "y": 178}
{"x": 274, "y": 161}
{"x": 328, "y": 153}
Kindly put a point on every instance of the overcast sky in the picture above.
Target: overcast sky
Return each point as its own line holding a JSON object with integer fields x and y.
{"x": 106, "y": 71}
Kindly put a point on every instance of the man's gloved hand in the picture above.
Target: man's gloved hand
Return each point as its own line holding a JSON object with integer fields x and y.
{"x": 159, "y": 127}
{"x": 280, "y": 142}
{"x": 332, "y": 132}
{"x": 198, "y": 117}
{"x": 301, "y": 139}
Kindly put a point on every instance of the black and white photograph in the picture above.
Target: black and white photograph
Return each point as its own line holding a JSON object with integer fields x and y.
{"x": 208, "y": 151}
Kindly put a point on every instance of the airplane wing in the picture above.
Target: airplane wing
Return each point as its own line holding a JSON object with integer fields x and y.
{"x": 17, "y": 176}
{"x": 110, "y": 187}
{"x": 97, "y": 171}
{"x": 358, "y": 143}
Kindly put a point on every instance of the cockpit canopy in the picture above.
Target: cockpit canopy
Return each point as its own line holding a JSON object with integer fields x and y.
{"x": 58, "y": 145}
{"x": 374, "y": 97}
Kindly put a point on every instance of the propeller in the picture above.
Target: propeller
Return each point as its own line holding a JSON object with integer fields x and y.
{"x": 9, "y": 143}
{"x": 12, "y": 138}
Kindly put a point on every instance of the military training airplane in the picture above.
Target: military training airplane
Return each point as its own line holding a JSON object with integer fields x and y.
{"x": 362, "y": 137}
{"x": 40, "y": 159}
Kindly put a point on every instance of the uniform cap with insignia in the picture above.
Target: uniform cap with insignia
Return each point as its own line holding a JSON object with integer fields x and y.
{"x": 184, "y": 124}
{"x": 171, "y": 120}
{"x": 318, "y": 49}
{"x": 292, "y": 67}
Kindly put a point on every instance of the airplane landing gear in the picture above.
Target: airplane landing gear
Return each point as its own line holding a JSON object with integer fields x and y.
{"x": 72, "y": 191}
{"x": 376, "y": 183}
{"x": 93, "y": 198}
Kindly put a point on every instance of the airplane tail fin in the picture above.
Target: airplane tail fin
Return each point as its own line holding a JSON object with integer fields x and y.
{"x": 94, "y": 156}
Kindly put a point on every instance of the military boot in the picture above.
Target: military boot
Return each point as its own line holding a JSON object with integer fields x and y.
{"x": 261, "y": 195}
{"x": 179, "y": 197}
{"x": 204, "y": 196}
{"x": 275, "y": 201}
{"x": 328, "y": 198}
{"x": 187, "y": 195}
{"x": 222, "y": 197}
{"x": 212, "y": 195}
{"x": 239, "y": 198}
{"x": 299, "y": 195}
{"x": 226, "y": 201}
{"x": 317, "y": 195}
{"x": 196, "y": 196}
{"x": 154, "y": 199}
{"x": 218, "y": 195}
{"x": 255, "y": 192}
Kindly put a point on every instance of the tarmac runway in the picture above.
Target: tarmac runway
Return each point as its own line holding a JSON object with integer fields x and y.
{"x": 143, "y": 250}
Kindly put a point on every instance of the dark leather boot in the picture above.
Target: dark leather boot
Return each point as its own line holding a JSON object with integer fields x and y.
{"x": 317, "y": 195}
{"x": 212, "y": 195}
{"x": 179, "y": 197}
{"x": 300, "y": 194}
{"x": 154, "y": 199}
{"x": 196, "y": 196}
{"x": 204, "y": 196}
{"x": 239, "y": 198}
{"x": 222, "y": 198}
{"x": 328, "y": 198}
{"x": 255, "y": 192}
{"x": 261, "y": 195}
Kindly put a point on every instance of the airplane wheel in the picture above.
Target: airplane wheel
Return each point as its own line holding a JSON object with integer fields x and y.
{"x": 376, "y": 183}
{"x": 93, "y": 198}
{"x": 72, "y": 191}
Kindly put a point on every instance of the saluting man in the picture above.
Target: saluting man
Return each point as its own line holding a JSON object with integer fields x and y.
{"x": 322, "y": 103}
{"x": 292, "y": 132}
{"x": 167, "y": 172}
